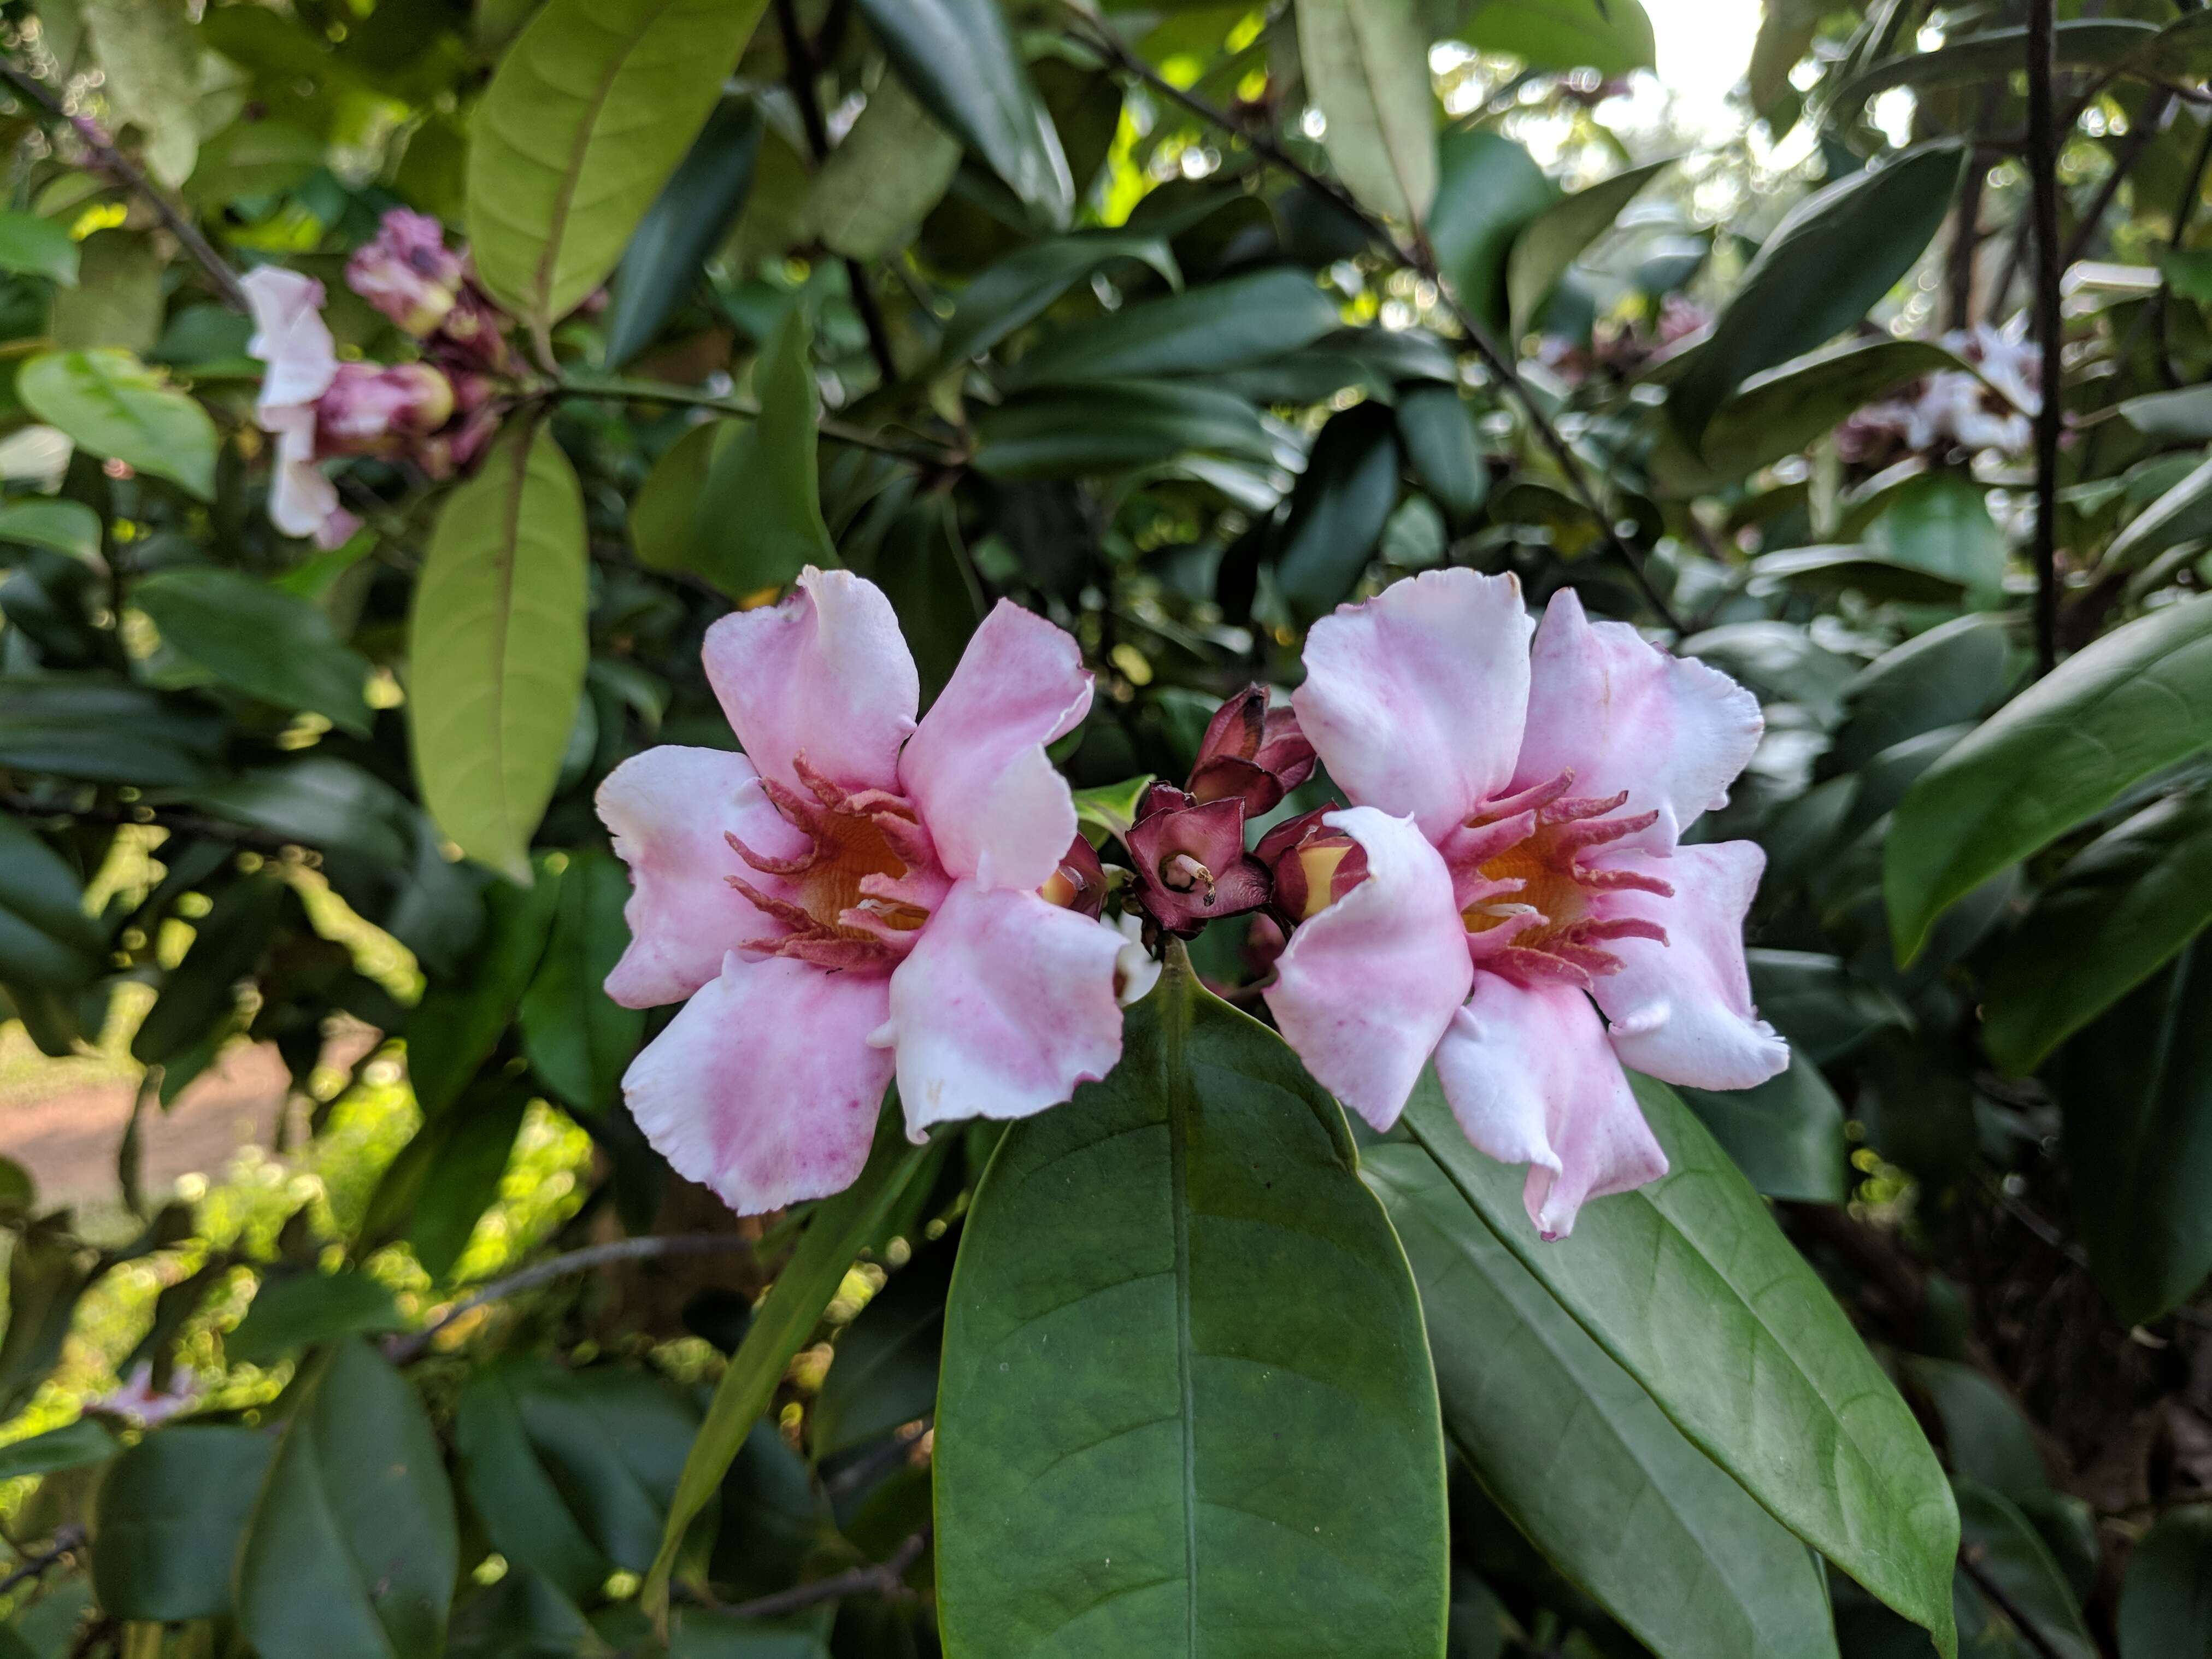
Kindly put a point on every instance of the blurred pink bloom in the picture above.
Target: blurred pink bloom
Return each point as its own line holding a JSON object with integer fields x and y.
{"x": 1520, "y": 819}
{"x": 374, "y": 408}
{"x": 290, "y": 337}
{"x": 856, "y": 897}
{"x": 407, "y": 271}
{"x": 138, "y": 1398}
{"x": 1993, "y": 409}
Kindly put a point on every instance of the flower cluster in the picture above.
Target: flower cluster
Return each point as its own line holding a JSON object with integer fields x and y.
{"x": 1991, "y": 408}
{"x": 860, "y": 897}
{"x": 436, "y": 413}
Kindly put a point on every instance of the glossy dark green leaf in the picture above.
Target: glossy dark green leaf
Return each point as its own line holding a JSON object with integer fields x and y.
{"x": 2166, "y": 1603}
{"x": 1202, "y": 330}
{"x": 1786, "y": 1135}
{"x": 2183, "y": 513}
{"x": 578, "y": 1040}
{"x": 1951, "y": 674}
{"x": 352, "y": 1548}
{"x": 1366, "y": 65}
{"x": 1940, "y": 522}
{"x": 71, "y": 1447}
{"x": 2135, "y": 1088}
{"x": 1019, "y": 289}
{"x": 667, "y": 254}
{"x": 1820, "y": 271}
{"x": 959, "y": 58}
{"x": 1545, "y": 251}
{"x": 321, "y": 801}
{"x": 1568, "y": 1445}
{"x": 497, "y": 644}
{"x": 1692, "y": 1290}
{"x": 171, "y": 1514}
{"x": 1830, "y": 570}
{"x": 885, "y": 1369}
{"x": 105, "y": 731}
{"x": 259, "y": 640}
{"x": 32, "y": 246}
{"x": 1342, "y": 500}
{"x": 1974, "y": 59}
{"x": 1987, "y": 1439}
{"x": 520, "y": 1617}
{"x": 113, "y": 405}
{"x": 45, "y": 938}
{"x": 663, "y": 516}
{"x": 510, "y": 1488}
{"x": 1613, "y": 37}
{"x": 470, "y": 1148}
{"x": 200, "y": 992}
{"x": 1114, "y": 425}
{"x": 2007, "y": 1549}
{"x": 2182, "y": 417}
{"x": 884, "y": 177}
{"x": 759, "y": 517}
{"x": 291, "y": 1312}
{"x": 458, "y": 1022}
{"x": 922, "y": 568}
{"x": 56, "y": 522}
{"x": 1161, "y": 1287}
{"x": 591, "y": 111}
{"x": 1489, "y": 189}
{"x": 1437, "y": 429}
{"x": 2139, "y": 699}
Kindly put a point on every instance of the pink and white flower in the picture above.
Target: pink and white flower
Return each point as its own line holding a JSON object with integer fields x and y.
{"x": 136, "y": 1397}
{"x": 856, "y": 897}
{"x": 294, "y": 343}
{"x": 1519, "y": 816}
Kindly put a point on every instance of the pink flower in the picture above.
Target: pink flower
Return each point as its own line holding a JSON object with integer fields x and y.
{"x": 291, "y": 339}
{"x": 407, "y": 271}
{"x": 137, "y": 1397}
{"x": 856, "y": 897}
{"x": 1520, "y": 820}
{"x": 377, "y": 409}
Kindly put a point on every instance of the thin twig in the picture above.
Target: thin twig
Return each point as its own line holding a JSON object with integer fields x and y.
{"x": 96, "y": 139}
{"x": 66, "y": 1539}
{"x": 1089, "y": 32}
{"x": 1970, "y": 1563}
{"x": 885, "y": 1577}
{"x": 2050, "y": 323}
{"x": 411, "y": 1345}
{"x": 863, "y": 1470}
{"x": 678, "y": 397}
{"x": 140, "y": 814}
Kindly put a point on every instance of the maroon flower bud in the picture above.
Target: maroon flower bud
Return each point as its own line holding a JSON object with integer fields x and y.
{"x": 372, "y": 410}
{"x": 1192, "y": 868}
{"x": 1079, "y": 884}
{"x": 1311, "y": 864}
{"x": 1251, "y": 751}
{"x": 407, "y": 271}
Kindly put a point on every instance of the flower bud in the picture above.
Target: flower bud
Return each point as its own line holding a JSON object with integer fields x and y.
{"x": 1253, "y": 752}
{"x": 1079, "y": 884}
{"x": 1311, "y": 866}
{"x": 376, "y": 411}
{"x": 1192, "y": 868}
{"x": 407, "y": 271}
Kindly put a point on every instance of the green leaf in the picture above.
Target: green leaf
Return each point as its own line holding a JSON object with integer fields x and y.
{"x": 1952, "y": 674}
{"x": 1020, "y": 287}
{"x": 257, "y": 158}
{"x": 259, "y": 640}
{"x": 105, "y": 731}
{"x": 509, "y": 1486}
{"x": 1068, "y": 432}
{"x": 578, "y": 1040}
{"x": 32, "y": 246}
{"x": 2137, "y": 700}
{"x": 759, "y": 516}
{"x": 2114, "y": 915}
{"x": 1438, "y": 431}
{"x": 459, "y": 1020}
{"x": 1544, "y": 252}
{"x": 664, "y": 515}
{"x": 47, "y": 1274}
{"x": 113, "y": 405}
{"x": 1786, "y": 1134}
{"x": 1162, "y": 1286}
{"x": 319, "y": 801}
{"x": 884, "y": 179}
{"x": 1367, "y": 70}
{"x": 116, "y": 300}
{"x": 587, "y": 116}
{"x": 1987, "y": 1439}
{"x": 2136, "y": 1090}
{"x": 352, "y": 1547}
{"x": 1489, "y": 189}
{"x": 171, "y": 1513}
{"x": 924, "y": 571}
{"x": 297, "y": 1310}
{"x": 1610, "y": 36}
{"x": 2182, "y": 417}
{"x": 150, "y": 60}
{"x": 2008, "y": 1548}
{"x": 1820, "y": 271}
{"x": 834, "y": 1234}
{"x": 1848, "y": 569}
{"x": 1691, "y": 1289}
{"x": 1571, "y": 1448}
{"x": 667, "y": 257}
{"x": 958, "y": 58}
{"x": 2183, "y": 513}
{"x": 1940, "y": 522}
{"x": 1976, "y": 59}
{"x": 1342, "y": 500}
{"x": 884, "y": 1373}
{"x": 55, "y": 522}
{"x": 2166, "y": 1603}
{"x": 1112, "y": 807}
{"x": 200, "y": 992}
{"x": 1220, "y": 326}
{"x": 498, "y": 645}
{"x": 45, "y": 937}
{"x": 71, "y": 1447}
{"x": 470, "y": 1149}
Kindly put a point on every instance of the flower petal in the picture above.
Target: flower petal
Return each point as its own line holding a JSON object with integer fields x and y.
{"x": 976, "y": 767}
{"x": 1623, "y": 714}
{"x": 1531, "y": 1080}
{"x": 669, "y": 809}
{"x": 1414, "y": 699}
{"x": 1004, "y": 1006}
{"x": 763, "y": 1087}
{"x": 1364, "y": 989}
{"x": 1682, "y": 1010}
{"x": 826, "y": 672}
{"x": 289, "y": 337}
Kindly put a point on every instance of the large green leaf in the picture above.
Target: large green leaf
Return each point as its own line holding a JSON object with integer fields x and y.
{"x": 1342, "y": 500}
{"x": 590, "y": 111}
{"x": 1163, "y": 1288}
{"x": 1940, "y": 522}
{"x": 171, "y": 1513}
{"x": 758, "y": 522}
{"x": 1691, "y": 1289}
{"x": 1543, "y": 252}
{"x": 105, "y": 731}
{"x": 55, "y": 522}
{"x": 1221, "y": 325}
{"x": 2183, "y": 513}
{"x": 1367, "y": 70}
{"x": 884, "y": 177}
{"x": 45, "y": 937}
{"x": 450, "y": 1173}
{"x": 2010, "y": 1550}
{"x": 1975, "y": 59}
{"x": 32, "y": 246}
{"x": 2135, "y": 1088}
{"x": 2166, "y": 1605}
{"x": 836, "y": 1233}
{"x": 1489, "y": 189}
{"x": 72, "y": 1446}
{"x": 47, "y": 1274}
{"x": 1018, "y": 287}
{"x": 200, "y": 992}
{"x": 578, "y": 1039}
{"x": 150, "y": 61}
{"x": 1824, "y": 265}
{"x": 958, "y": 56}
{"x": 497, "y": 648}
{"x": 2137, "y": 700}
{"x": 1786, "y": 1134}
{"x": 319, "y": 800}
{"x": 1576, "y": 1452}
{"x": 258, "y": 639}
{"x": 459, "y": 1020}
{"x": 297, "y": 1309}
{"x": 2117, "y": 912}
{"x": 117, "y": 301}
{"x": 1067, "y": 432}
{"x": 1436, "y": 427}
{"x": 1952, "y": 674}
{"x": 113, "y": 405}
{"x": 666, "y": 257}
{"x": 1610, "y": 36}
{"x": 352, "y": 1547}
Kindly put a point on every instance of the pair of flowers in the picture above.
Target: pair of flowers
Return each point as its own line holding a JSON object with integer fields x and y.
{"x": 859, "y": 896}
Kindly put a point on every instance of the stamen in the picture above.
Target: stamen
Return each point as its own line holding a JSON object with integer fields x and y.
{"x": 767, "y": 865}
{"x": 1183, "y": 874}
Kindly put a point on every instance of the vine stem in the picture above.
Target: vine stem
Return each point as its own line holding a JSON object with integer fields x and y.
{"x": 1087, "y": 31}
{"x": 884, "y": 1578}
{"x": 680, "y": 397}
{"x": 2049, "y": 323}
{"x": 66, "y": 1539}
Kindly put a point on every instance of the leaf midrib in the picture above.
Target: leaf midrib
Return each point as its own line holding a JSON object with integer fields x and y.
{"x": 1179, "y": 1089}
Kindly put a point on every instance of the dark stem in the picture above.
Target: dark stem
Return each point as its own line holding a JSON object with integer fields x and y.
{"x": 66, "y": 1539}
{"x": 680, "y": 397}
{"x": 1965, "y": 244}
{"x": 412, "y": 1345}
{"x": 2185, "y": 208}
{"x": 217, "y": 268}
{"x": 1970, "y": 1563}
{"x": 2050, "y": 324}
{"x": 1090, "y": 33}
{"x": 871, "y": 319}
{"x": 885, "y": 1577}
